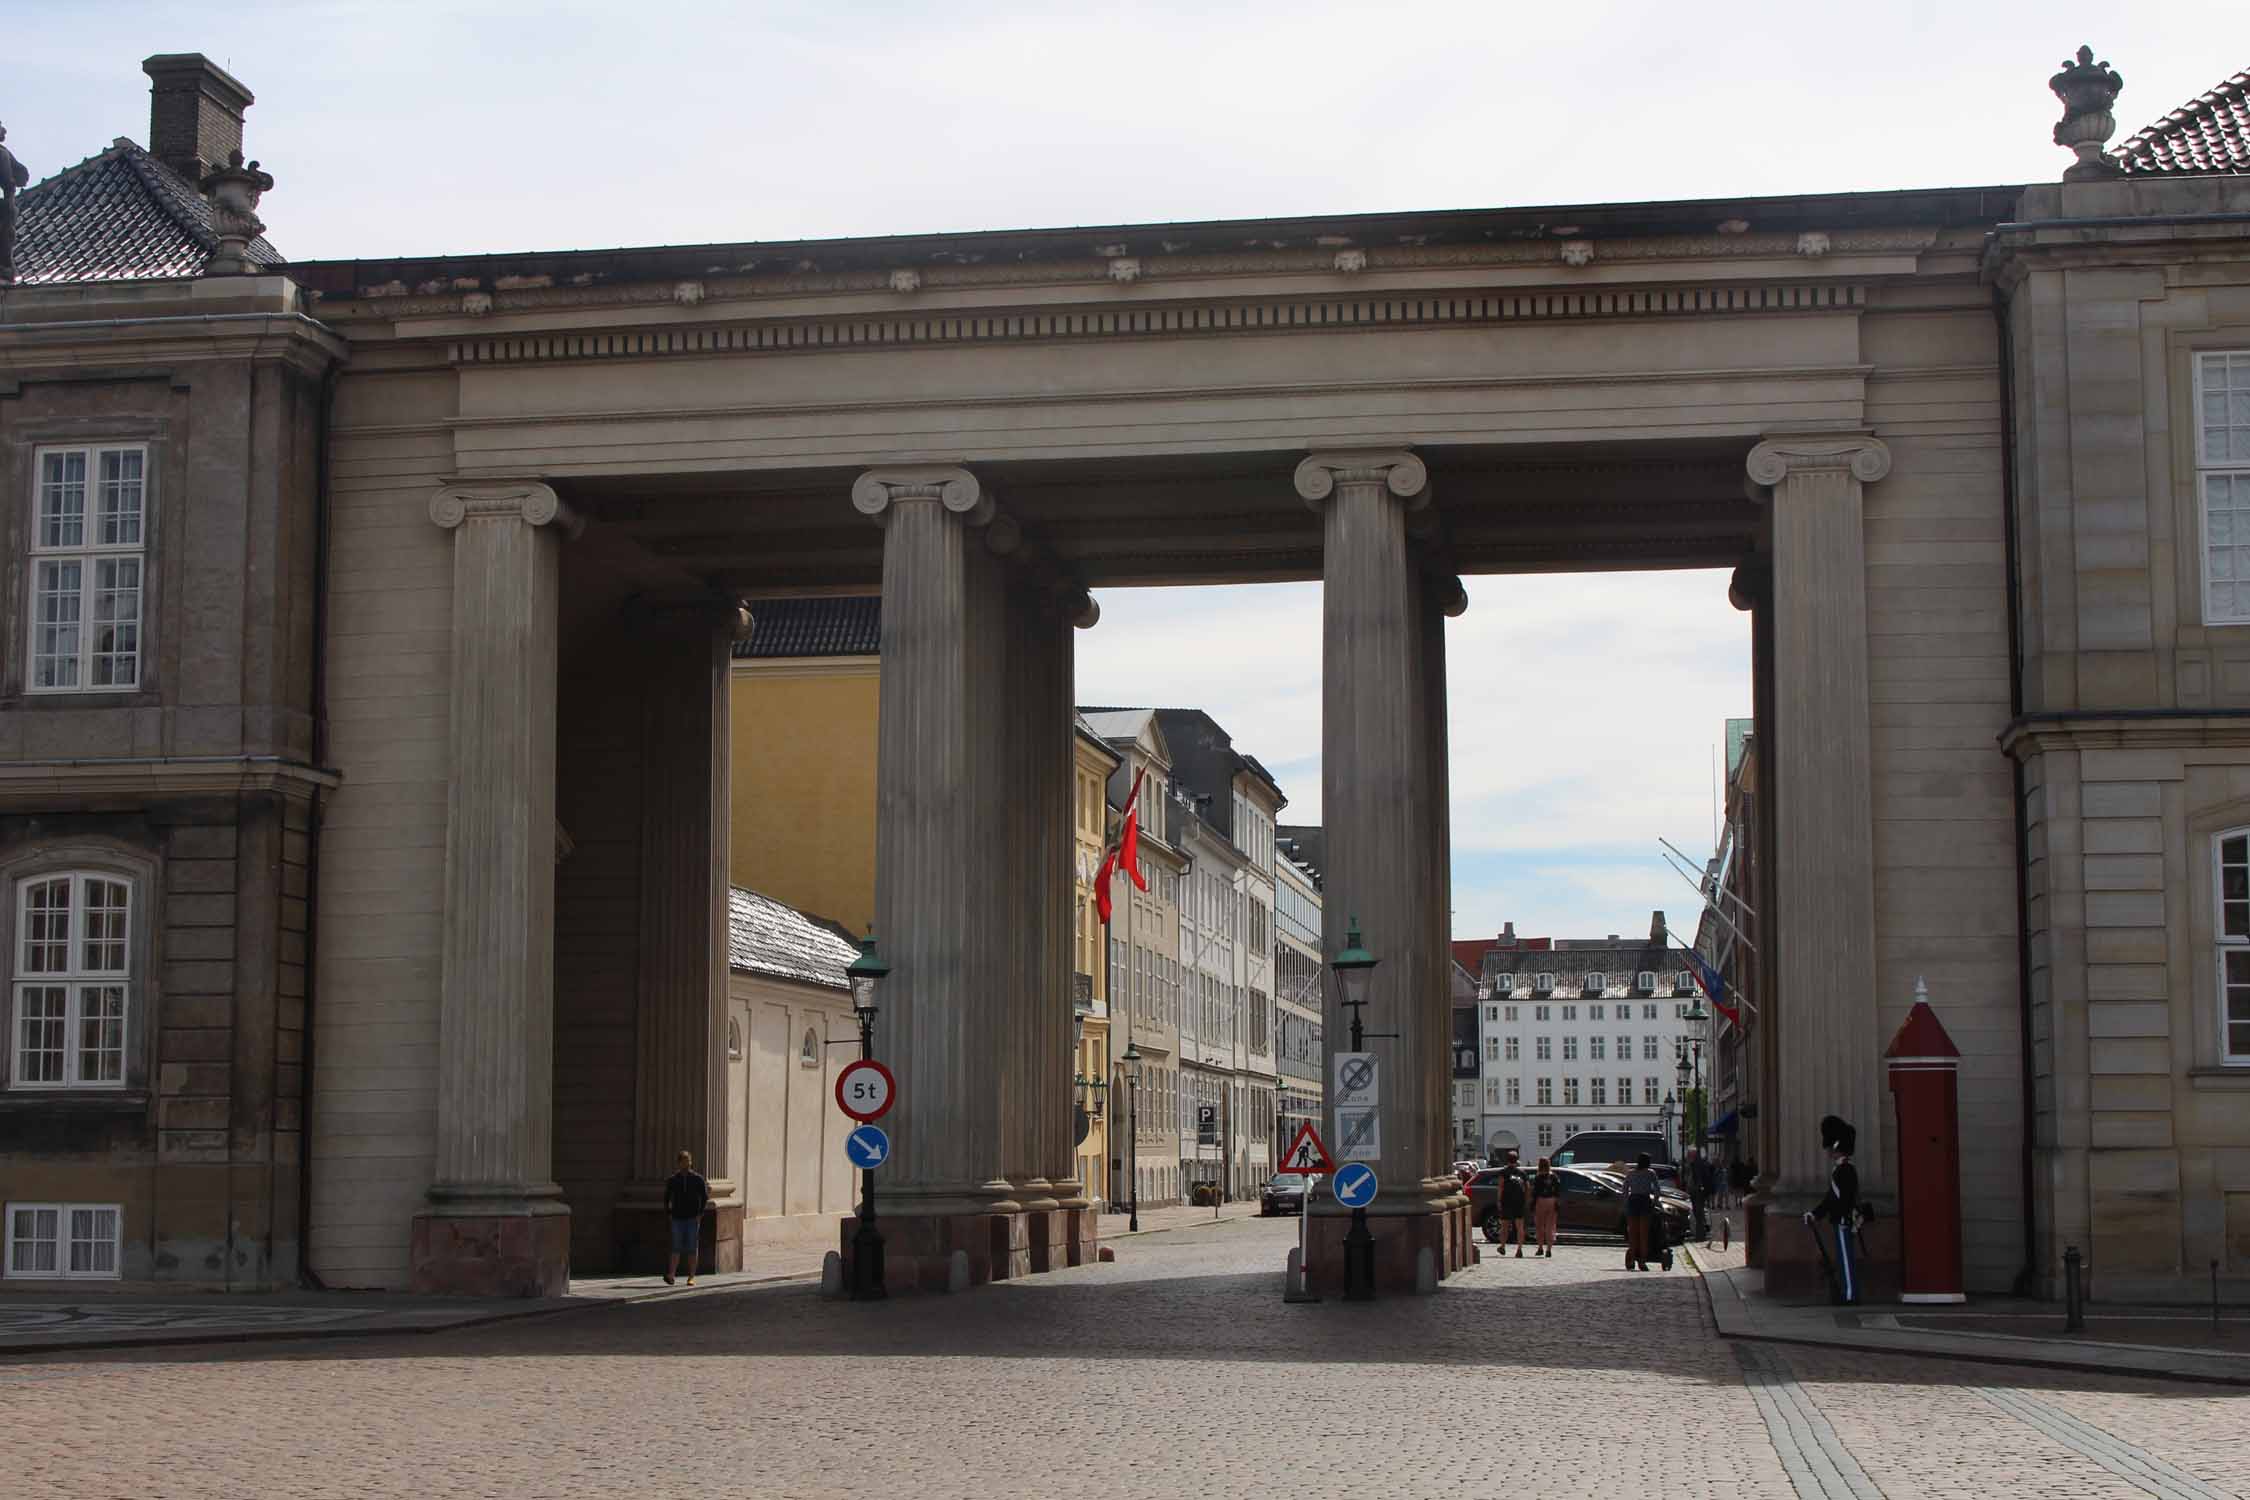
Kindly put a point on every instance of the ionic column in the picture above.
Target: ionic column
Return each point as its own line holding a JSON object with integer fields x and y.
{"x": 942, "y": 836}
{"x": 682, "y": 661}
{"x": 496, "y": 1021}
{"x": 1823, "y": 890}
{"x": 1382, "y": 662}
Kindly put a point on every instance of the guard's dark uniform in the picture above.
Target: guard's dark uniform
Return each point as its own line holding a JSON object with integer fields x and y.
{"x": 1840, "y": 1209}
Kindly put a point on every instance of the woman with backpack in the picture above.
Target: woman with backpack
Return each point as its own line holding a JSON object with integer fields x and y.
{"x": 1513, "y": 1196}
{"x": 1546, "y": 1202}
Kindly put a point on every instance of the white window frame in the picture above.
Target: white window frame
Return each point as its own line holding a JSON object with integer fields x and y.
{"x": 2232, "y": 469}
{"x": 1504, "y": 983}
{"x": 1515, "y": 1092}
{"x": 1596, "y": 981}
{"x": 1645, "y": 981}
{"x": 64, "y": 1241}
{"x": 89, "y": 553}
{"x": 1544, "y": 983}
{"x": 76, "y": 978}
{"x": 1514, "y": 1050}
{"x": 2225, "y": 943}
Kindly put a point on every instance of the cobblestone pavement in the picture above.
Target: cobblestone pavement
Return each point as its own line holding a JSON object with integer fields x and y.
{"x": 1177, "y": 1370}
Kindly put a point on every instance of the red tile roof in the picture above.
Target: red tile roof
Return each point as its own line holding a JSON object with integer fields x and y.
{"x": 2208, "y": 134}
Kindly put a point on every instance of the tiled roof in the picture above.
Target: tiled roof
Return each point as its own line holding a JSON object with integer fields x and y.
{"x": 121, "y": 215}
{"x": 813, "y": 627}
{"x": 766, "y": 937}
{"x": 2209, "y": 134}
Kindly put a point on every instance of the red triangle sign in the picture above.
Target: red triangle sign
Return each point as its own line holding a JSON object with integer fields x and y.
{"x": 1306, "y": 1156}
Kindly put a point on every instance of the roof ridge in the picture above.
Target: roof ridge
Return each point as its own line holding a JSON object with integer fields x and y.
{"x": 145, "y": 167}
{"x": 81, "y": 164}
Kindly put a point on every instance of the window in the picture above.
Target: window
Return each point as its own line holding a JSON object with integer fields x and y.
{"x": 1648, "y": 1012}
{"x": 1515, "y": 1049}
{"x": 1593, "y": 1013}
{"x": 1596, "y": 982}
{"x": 1679, "y": 1012}
{"x": 1645, "y": 981}
{"x": 1624, "y": 1096}
{"x": 63, "y": 1239}
{"x": 1569, "y": 1131}
{"x": 2234, "y": 942}
{"x": 1570, "y": 1012}
{"x": 1546, "y": 1137}
{"x": 1539, "y": 1013}
{"x": 734, "y": 1041}
{"x": 72, "y": 968}
{"x": 1503, "y": 983}
{"x": 1598, "y": 1092}
{"x": 1515, "y": 1091}
{"x": 1686, "y": 985}
{"x": 86, "y": 569}
{"x": 1570, "y": 1095}
{"x": 1648, "y": 1091}
{"x": 1597, "y": 1048}
{"x": 1543, "y": 1048}
{"x": 1648, "y": 1047}
{"x": 1492, "y": 1012}
{"x": 1570, "y": 1048}
{"x": 808, "y": 1049}
{"x": 1545, "y": 1093}
{"x": 1624, "y": 1049}
{"x": 2222, "y": 464}
{"x": 1546, "y": 983}
{"x": 1492, "y": 1048}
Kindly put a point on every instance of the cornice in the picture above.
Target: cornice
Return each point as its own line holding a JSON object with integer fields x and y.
{"x": 1160, "y": 320}
{"x": 2183, "y": 730}
{"x": 53, "y": 783}
{"x": 114, "y": 343}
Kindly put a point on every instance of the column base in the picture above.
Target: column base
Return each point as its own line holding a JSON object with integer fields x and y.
{"x": 493, "y": 1254}
{"x": 644, "y": 1239}
{"x": 1400, "y": 1240}
{"x": 918, "y": 1249}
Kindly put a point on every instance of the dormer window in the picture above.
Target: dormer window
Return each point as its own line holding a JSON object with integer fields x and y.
{"x": 1596, "y": 982}
{"x": 1686, "y": 984}
{"x": 1545, "y": 984}
{"x": 1645, "y": 981}
{"x": 1503, "y": 984}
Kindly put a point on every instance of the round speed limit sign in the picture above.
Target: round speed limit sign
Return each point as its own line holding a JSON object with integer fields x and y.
{"x": 865, "y": 1089}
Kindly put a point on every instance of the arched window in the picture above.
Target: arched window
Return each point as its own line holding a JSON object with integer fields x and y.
{"x": 808, "y": 1051}
{"x": 71, "y": 979}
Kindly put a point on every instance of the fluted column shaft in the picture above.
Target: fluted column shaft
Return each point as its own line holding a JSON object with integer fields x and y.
{"x": 497, "y": 1016}
{"x": 941, "y": 836}
{"x": 1822, "y": 779}
{"x": 1379, "y": 804}
{"x": 680, "y": 1063}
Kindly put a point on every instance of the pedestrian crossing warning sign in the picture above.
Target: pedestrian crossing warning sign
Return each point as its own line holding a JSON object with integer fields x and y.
{"x": 1306, "y": 1156}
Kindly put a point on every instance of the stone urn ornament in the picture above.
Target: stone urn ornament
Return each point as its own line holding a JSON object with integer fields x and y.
{"x": 2087, "y": 89}
{"x": 233, "y": 192}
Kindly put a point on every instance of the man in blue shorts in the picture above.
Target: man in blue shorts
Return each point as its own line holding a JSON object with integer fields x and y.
{"x": 685, "y": 1194}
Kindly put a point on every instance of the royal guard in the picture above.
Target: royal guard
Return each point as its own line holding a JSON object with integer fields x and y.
{"x": 1839, "y": 1212}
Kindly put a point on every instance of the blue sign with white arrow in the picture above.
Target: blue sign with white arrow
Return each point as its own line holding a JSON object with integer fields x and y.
{"x": 1355, "y": 1185}
{"x": 867, "y": 1147}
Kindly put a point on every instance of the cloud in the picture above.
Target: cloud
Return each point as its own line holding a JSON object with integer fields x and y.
{"x": 1583, "y": 711}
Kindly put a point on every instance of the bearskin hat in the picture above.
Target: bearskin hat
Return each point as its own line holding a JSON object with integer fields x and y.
{"x": 1836, "y": 1135}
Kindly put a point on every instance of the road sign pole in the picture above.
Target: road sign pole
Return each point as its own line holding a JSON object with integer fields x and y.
{"x": 867, "y": 1240}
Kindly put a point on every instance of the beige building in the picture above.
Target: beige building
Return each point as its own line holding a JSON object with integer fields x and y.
{"x": 366, "y": 709}
{"x": 1094, "y": 764}
{"x": 1143, "y": 960}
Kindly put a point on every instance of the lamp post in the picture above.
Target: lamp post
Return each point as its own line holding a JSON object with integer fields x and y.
{"x": 1664, "y": 1122}
{"x": 1132, "y": 1062}
{"x": 1696, "y": 1016}
{"x": 1355, "y": 971}
{"x": 865, "y": 973}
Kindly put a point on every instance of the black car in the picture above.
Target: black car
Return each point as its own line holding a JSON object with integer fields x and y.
{"x": 1284, "y": 1194}
{"x": 1591, "y": 1203}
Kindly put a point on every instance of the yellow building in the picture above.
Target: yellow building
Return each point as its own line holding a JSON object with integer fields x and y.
{"x": 1090, "y": 981}
{"x": 803, "y": 792}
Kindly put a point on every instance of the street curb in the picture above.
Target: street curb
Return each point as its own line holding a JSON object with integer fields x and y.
{"x": 299, "y": 1335}
{"x": 1732, "y": 1324}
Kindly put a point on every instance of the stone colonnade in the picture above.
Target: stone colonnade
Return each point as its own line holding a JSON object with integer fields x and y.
{"x": 973, "y": 818}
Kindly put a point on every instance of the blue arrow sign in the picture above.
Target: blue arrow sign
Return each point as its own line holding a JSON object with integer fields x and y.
{"x": 1355, "y": 1185}
{"x": 867, "y": 1147}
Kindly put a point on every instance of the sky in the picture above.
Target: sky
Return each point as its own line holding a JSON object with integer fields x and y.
{"x": 1584, "y": 708}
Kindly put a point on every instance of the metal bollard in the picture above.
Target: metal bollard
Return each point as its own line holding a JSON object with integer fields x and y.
{"x": 2074, "y": 1296}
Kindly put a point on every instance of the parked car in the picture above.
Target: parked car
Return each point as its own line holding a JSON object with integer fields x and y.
{"x": 1592, "y": 1202}
{"x": 1598, "y": 1148}
{"x": 1466, "y": 1170}
{"x": 1283, "y": 1194}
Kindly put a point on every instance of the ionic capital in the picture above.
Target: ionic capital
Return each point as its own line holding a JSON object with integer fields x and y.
{"x": 1396, "y": 470}
{"x": 529, "y": 501}
{"x": 955, "y": 488}
{"x": 1775, "y": 459}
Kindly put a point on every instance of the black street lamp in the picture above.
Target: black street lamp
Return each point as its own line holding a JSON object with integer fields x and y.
{"x": 1132, "y": 1061}
{"x": 865, "y": 973}
{"x": 1355, "y": 971}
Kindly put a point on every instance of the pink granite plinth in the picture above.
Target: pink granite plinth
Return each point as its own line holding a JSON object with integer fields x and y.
{"x": 491, "y": 1255}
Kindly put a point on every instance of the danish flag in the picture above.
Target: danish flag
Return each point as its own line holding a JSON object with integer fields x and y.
{"x": 1125, "y": 854}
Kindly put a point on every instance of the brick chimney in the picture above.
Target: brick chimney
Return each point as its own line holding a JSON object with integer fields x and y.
{"x": 194, "y": 112}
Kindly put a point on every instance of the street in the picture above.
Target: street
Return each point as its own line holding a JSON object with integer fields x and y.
{"x": 1177, "y": 1370}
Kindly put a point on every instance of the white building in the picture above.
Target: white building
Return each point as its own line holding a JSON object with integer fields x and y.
{"x": 1581, "y": 1034}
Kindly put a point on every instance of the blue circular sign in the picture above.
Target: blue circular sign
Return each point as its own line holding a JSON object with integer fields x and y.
{"x": 867, "y": 1147}
{"x": 1355, "y": 1185}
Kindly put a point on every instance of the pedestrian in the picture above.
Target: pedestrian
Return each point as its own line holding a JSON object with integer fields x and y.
{"x": 1514, "y": 1196}
{"x": 1739, "y": 1178}
{"x": 1546, "y": 1202}
{"x": 1640, "y": 1212}
{"x": 1696, "y": 1177}
{"x": 685, "y": 1195}
{"x": 1840, "y": 1207}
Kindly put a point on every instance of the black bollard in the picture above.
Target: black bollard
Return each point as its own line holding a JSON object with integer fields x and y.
{"x": 2074, "y": 1299}
{"x": 1359, "y": 1260}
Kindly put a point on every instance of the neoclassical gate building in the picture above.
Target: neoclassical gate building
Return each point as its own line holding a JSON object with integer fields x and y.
{"x": 443, "y": 558}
